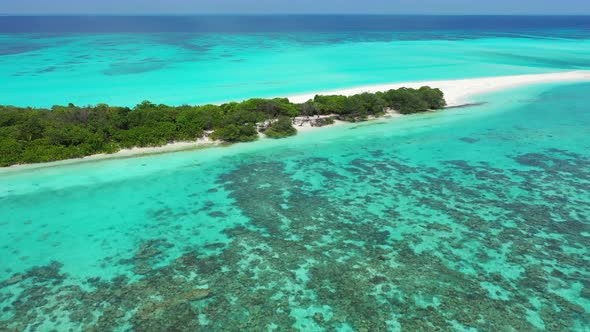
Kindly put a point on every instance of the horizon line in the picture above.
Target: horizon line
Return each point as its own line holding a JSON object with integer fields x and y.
{"x": 292, "y": 14}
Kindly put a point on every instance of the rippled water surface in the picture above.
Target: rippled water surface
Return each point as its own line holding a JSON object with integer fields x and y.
{"x": 203, "y": 59}
{"x": 465, "y": 219}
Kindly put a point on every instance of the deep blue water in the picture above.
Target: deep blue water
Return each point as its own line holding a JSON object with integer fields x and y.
{"x": 285, "y": 23}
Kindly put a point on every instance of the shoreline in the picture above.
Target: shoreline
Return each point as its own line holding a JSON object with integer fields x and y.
{"x": 201, "y": 143}
{"x": 457, "y": 94}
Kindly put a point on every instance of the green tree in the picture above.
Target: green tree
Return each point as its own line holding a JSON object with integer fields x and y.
{"x": 191, "y": 124}
{"x": 283, "y": 127}
{"x": 433, "y": 97}
{"x": 236, "y": 133}
{"x": 10, "y": 151}
{"x": 38, "y": 135}
{"x": 330, "y": 104}
{"x": 32, "y": 128}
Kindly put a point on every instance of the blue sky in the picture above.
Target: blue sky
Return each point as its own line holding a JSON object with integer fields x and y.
{"x": 295, "y": 6}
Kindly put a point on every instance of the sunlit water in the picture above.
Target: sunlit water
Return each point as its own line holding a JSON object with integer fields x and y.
{"x": 464, "y": 219}
{"x": 122, "y": 61}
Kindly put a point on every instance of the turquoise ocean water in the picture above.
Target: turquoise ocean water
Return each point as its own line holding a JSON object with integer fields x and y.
{"x": 47, "y": 63}
{"x": 469, "y": 219}
{"x": 126, "y": 70}
{"x": 465, "y": 219}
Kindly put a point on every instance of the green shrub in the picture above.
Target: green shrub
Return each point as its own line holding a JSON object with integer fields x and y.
{"x": 281, "y": 128}
{"x": 30, "y": 135}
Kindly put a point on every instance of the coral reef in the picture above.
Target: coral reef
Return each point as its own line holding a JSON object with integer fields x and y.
{"x": 401, "y": 246}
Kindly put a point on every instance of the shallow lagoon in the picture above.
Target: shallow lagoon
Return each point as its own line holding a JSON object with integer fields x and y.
{"x": 474, "y": 218}
{"x": 124, "y": 69}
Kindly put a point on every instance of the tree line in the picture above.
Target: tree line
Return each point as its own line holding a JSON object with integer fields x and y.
{"x": 33, "y": 135}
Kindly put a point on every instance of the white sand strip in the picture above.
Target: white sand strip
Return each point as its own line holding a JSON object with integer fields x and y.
{"x": 123, "y": 153}
{"x": 457, "y": 92}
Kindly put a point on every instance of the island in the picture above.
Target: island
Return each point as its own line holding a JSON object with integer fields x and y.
{"x": 37, "y": 135}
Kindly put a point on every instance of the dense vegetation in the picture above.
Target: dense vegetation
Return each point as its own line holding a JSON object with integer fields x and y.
{"x": 30, "y": 135}
{"x": 281, "y": 128}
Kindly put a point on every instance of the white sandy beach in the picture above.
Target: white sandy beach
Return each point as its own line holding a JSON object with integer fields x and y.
{"x": 126, "y": 153}
{"x": 457, "y": 93}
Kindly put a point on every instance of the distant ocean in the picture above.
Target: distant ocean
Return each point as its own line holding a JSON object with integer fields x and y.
{"x": 200, "y": 59}
{"x": 494, "y": 25}
{"x": 466, "y": 219}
